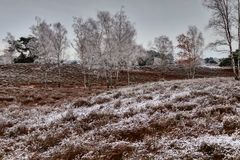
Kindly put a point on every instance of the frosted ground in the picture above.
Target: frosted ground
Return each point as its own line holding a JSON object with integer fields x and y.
{"x": 184, "y": 119}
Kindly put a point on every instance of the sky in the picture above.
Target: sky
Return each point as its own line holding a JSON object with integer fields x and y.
{"x": 151, "y": 18}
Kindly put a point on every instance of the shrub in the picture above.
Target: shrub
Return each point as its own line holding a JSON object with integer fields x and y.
{"x": 42, "y": 144}
{"x": 224, "y": 110}
{"x": 117, "y": 152}
{"x": 22, "y": 58}
{"x": 230, "y": 124}
{"x": 19, "y": 130}
{"x": 96, "y": 120}
{"x": 199, "y": 93}
{"x": 214, "y": 151}
{"x": 132, "y": 135}
{"x": 186, "y": 106}
{"x": 102, "y": 100}
{"x": 174, "y": 87}
{"x": 81, "y": 103}
{"x": 70, "y": 152}
{"x": 3, "y": 126}
{"x": 117, "y": 104}
{"x": 164, "y": 124}
{"x": 143, "y": 98}
{"x": 69, "y": 116}
{"x": 117, "y": 95}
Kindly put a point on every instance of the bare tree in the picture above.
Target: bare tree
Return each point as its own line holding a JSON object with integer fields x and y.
{"x": 238, "y": 32}
{"x": 191, "y": 47}
{"x": 104, "y": 44}
{"x": 50, "y": 44}
{"x": 107, "y": 56}
{"x": 222, "y": 21}
{"x": 238, "y": 21}
{"x": 43, "y": 33}
{"x": 87, "y": 45}
{"x": 124, "y": 38}
{"x": 131, "y": 60}
{"x": 60, "y": 43}
{"x": 10, "y": 50}
{"x": 164, "y": 46}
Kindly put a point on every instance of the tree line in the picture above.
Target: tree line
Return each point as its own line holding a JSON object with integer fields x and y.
{"x": 107, "y": 43}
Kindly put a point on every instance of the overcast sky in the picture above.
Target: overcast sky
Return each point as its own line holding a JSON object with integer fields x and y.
{"x": 151, "y": 18}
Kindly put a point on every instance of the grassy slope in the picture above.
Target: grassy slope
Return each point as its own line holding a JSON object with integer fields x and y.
{"x": 163, "y": 120}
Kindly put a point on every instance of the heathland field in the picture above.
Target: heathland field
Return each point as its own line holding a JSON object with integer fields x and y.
{"x": 178, "y": 119}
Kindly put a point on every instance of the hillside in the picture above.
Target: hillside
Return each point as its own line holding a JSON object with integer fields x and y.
{"x": 71, "y": 74}
{"x": 180, "y": 119}
{"x": 26, "y": 85}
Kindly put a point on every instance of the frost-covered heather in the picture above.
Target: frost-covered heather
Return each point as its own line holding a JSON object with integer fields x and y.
{"x": 189, "y": 119}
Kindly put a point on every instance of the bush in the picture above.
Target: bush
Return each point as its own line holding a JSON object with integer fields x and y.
{"x": 210, "y": 60}
{"x": 81, "y": 103}
{"x": 214, "y": 151}
{"x": 3, "y": 126}
{"x": 71, "y": 152}
{"x": 22, "y": 58}
{"x": 102, "y": 100}
{"x": 227, "y": 61}
{"x": 230, "y": 124}
{"x": 69, "y": 116}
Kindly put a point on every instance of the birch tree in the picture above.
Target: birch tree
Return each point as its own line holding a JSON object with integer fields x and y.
{"x": 222, "y": 21}
{"x": 60, "y": 43}
{"x": 9, "y": 51}
{"x": 124, "y": 38}
{"x": 43, "y": 33}
{"x": 108, "y": 59}
{"x": 87, "y": 45}
{"x": 191, "y": 48}
{"x": 237, "y": 21}
{"x": 105, "y": 43}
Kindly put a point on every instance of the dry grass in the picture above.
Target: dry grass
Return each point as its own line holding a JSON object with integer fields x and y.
{"x": 3, "y": 126}
{"x": 42, "y": 144}
{"x": 195, "y": 119}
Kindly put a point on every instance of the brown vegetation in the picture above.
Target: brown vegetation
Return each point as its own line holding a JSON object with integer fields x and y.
{"x": 24, "y": 84}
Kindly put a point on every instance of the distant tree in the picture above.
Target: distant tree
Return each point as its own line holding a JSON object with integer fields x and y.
{"x": 43, "y": 33}
{"x": 150, "y": 57}
{"x": 191, "y": 47}
{"x": 11, "y": 48}
{"x": 142, "y": 61}
{"x": 108, "y": 57}
{"x": 126, "y": 50}
{"x": 23, "y": 46}
{"x": 51, "y": 44}
{"x": 210, "y": 60}
{"x": 60, "y": 43}
{"x": 227, "y": 62}
{"x": 87, "y": 45}
{"x": 106, "y": 44}
{"x": 164, "y": 46}
{"x": 142, "y": 56}
{"x": 164, "y": 58}
{"x": 23, "y": 58}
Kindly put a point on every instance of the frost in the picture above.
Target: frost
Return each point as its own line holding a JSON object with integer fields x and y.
{"x": 162, "y": 120}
